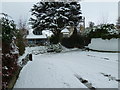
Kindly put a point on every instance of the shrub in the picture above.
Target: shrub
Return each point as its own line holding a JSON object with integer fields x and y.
{"x": 75, "y": 41}
{"x": 20, "y": 43}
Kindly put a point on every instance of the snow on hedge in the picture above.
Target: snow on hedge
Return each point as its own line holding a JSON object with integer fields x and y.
{"x": 105, "y": 45}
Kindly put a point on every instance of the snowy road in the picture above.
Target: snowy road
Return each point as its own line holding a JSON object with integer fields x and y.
{"x": 76, "y": 69}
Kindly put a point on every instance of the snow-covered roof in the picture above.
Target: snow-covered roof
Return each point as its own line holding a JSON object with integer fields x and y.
{"x": 33, "y": 36}
{"x": 36, "y": 37}
{"x": 48, "y": 33}
{"x": 65, "y": 30}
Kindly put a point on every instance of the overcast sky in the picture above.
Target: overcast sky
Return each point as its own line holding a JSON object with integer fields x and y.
{"x": 96, "y": 11}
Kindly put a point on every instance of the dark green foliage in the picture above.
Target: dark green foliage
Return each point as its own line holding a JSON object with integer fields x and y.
{"x": 20, "y": 42}
{"x": 104, "y": 32}
{"x": 9, "y": 61}
{"x": 8, "y": 73}
{"x": 54, "y": 16}
{"x": 8, "y": 29}
{"x": 110, "y": 36}
{"x": 75, "y": 41}
{"x": 54, "y": 39}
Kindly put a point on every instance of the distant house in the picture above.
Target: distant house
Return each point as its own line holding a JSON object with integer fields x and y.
{"x": 65, "y": 32}
{"x": 33, "y": 39}
{"x": 68, "y": 31}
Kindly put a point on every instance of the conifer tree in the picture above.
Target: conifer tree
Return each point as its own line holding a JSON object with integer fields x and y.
{"x": 54, "y": 16}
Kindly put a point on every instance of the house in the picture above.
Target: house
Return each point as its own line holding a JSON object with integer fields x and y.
{"x": 33, "y": 39}
{"x": 65, "y": 32}
{"x": 68, "y": 31}
{"x": 81, "y": 25}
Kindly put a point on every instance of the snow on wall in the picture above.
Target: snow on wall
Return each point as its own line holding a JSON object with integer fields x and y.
{"x": 106, "y": 45}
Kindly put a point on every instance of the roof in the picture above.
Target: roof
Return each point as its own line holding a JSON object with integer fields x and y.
{"x": 65, "y": 30}
{"x": 33, "y": 36}
{"x": 36, "y": 37}
{"x": 48, "y": 33}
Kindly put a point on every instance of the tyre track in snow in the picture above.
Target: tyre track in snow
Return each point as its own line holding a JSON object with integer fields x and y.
{"x": 110, "y": 77}
{"x": 85, "y": 82}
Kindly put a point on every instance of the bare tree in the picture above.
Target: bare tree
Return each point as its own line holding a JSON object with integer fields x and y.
{"x": 21, "y": 36}
{"x": 22, "y": 25}
{"x": 103, "y": 19}
{"x": 118, "y": 22}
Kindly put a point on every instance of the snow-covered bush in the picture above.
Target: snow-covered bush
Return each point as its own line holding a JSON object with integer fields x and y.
{"x": 54, "y": 48}
{"x": 10, "y": 51}
{"x": 105, "y": 31}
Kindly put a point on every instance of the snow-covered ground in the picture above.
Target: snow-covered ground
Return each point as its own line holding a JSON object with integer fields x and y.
{"x": 106, "y": 45}
{"x": 73, "y": 69}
